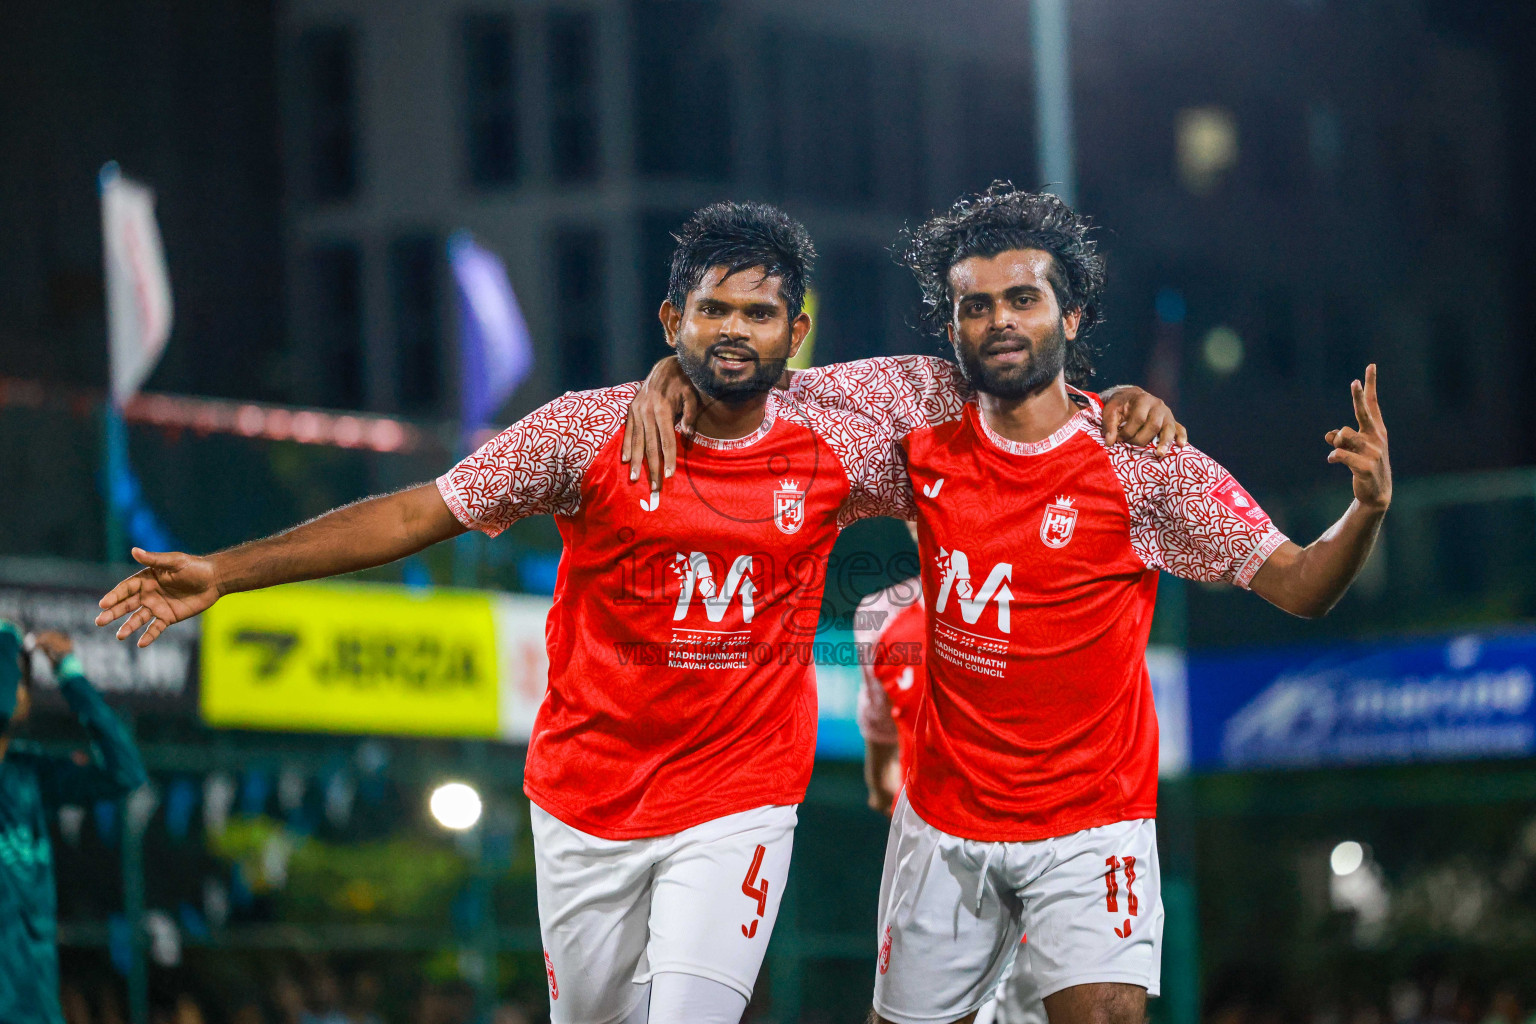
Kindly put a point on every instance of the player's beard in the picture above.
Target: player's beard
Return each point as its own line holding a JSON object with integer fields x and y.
{"x": 759, "y": 382}
{"x": 1047, "y": 358}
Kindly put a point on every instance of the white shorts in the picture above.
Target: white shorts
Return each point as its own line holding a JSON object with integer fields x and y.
{"x": 952, "y": 912}
{"x": 614, "y": 912}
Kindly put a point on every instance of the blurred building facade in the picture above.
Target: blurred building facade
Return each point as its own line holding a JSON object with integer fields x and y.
{"x": 1277, "y": 210}
{"x": 1286, "y": 189}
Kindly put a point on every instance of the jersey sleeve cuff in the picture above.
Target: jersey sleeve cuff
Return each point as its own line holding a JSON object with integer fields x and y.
{"x": 69, "y": 668}
{"x": 460, "y": 511}
{"x": 1267, "y": 546}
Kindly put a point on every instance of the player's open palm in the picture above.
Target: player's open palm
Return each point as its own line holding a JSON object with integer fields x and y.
{"x": 1363, "y": 448}
{"x": 171, "y": 587}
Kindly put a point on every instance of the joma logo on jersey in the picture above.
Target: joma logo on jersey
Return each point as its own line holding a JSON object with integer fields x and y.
{"x": 955, "y": 576}
{"x": 696, "y": 575}
{"x": 789, "y": 506}
{"x": 1058, "y": 522}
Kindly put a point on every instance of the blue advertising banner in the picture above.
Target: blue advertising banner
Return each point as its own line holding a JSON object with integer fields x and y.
{"x": 1442, "y": 699}
{"x": 839, "y": 676}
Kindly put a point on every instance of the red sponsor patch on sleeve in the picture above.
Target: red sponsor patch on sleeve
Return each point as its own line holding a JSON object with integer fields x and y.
{"x": 1239, "y": 502}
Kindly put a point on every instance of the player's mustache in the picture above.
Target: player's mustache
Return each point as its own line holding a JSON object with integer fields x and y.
{"x": 1007, "y": 340}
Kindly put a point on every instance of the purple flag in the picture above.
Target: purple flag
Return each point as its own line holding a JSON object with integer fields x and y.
{"x": 495, "y": 351}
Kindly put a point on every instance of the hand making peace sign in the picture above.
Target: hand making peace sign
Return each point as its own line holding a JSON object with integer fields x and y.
{"x": 1364, "y": 450}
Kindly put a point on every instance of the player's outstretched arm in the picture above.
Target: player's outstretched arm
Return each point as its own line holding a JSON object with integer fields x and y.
{"x": 1309, "y": 581}
{"x": 174, "y": 586}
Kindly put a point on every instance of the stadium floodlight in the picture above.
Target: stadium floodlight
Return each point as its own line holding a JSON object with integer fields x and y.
{"x": 455, "y": 805}
{"x": 1346, "y": 858}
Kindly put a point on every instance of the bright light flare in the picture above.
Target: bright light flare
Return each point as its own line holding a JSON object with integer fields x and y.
{"x": 1346, "y": 858}
{"x": 455, "y": 805}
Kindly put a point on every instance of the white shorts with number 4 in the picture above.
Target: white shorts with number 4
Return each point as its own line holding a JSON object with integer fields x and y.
{"x": 952, "y": 911}
{"x": 614, "y": 912}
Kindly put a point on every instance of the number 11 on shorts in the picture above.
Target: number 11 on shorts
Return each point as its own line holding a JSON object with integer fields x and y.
{"x": 1112, "y": 883}
{"x": 756, "y": 889}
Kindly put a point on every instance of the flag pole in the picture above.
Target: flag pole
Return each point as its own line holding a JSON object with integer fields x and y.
{"x": 115, "y": 471}
{"x": 114, "y": 433}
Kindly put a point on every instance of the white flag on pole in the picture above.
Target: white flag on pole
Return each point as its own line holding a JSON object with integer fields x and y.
{"x": 138, "y": 287}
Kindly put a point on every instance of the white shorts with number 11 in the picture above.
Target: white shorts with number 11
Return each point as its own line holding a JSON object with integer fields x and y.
{"x": 952, "y": 912}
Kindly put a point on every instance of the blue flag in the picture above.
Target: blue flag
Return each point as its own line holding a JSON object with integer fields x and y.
{"x": 495, "y": 351}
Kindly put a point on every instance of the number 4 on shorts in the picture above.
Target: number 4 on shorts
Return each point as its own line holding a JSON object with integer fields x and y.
{"x": 1112, "y": 884}
{"x": 757, "y": 890}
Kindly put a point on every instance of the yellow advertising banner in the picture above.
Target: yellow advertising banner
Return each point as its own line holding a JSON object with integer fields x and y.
{"x": 353, "y": 658}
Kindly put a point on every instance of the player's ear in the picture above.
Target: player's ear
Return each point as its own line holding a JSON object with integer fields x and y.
{"x": 799, "y": 330}
{"x": 671, "y": 317}
{"x": 1071, "y": 322}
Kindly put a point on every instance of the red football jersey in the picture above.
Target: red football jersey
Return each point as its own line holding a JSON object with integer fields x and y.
{"x": 1039, "y": 565}
{"x": 682, "y": 686}
{"x": 891, "y": 630}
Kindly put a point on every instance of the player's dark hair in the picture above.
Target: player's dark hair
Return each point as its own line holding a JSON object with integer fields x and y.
{"x": 993, "y": 222}
{"x": 742, "y": 236}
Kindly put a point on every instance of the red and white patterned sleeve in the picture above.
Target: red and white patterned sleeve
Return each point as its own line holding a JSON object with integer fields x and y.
{"x": 1190, "y": 517}
{"x": 876, "y": 467}
{"x": 902, "y": 392}
{"x": 876, "y": 723}
{"x": 536, "y": 465}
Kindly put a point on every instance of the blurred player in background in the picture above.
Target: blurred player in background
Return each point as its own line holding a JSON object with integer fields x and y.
{"x": 1030, "y": 800}
{"x": 33, "y": 785}
{"x": 889, "y": 629}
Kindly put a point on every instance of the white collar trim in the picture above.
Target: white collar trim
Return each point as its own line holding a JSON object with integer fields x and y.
{"x": 1079, "y": 421}
{"x": 727, "y": 444}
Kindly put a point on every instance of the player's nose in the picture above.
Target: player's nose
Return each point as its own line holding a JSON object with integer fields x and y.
{"x": 735, "y": 327}
{"x": 1003, "y": 318}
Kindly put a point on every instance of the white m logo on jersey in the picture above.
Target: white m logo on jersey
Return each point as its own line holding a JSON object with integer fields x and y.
{"x": 693, "y": 569}
{"x": 956, "y": 575}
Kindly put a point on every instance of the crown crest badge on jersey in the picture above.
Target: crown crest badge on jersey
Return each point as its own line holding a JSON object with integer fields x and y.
{"x": 789, "y": 506}
{"x": 1059, "y": 521}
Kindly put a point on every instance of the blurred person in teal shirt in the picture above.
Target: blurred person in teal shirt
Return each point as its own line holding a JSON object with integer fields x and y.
{"x": 34, "y": 784}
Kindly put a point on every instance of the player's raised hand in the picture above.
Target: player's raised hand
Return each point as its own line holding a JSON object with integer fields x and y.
{"x": 56, "y": 646}
{"x": 666, "y": 399}
{"x": 171, "y": 587}
{"x": 1136, "y": 417}
{"x": 1364, "y": 448}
